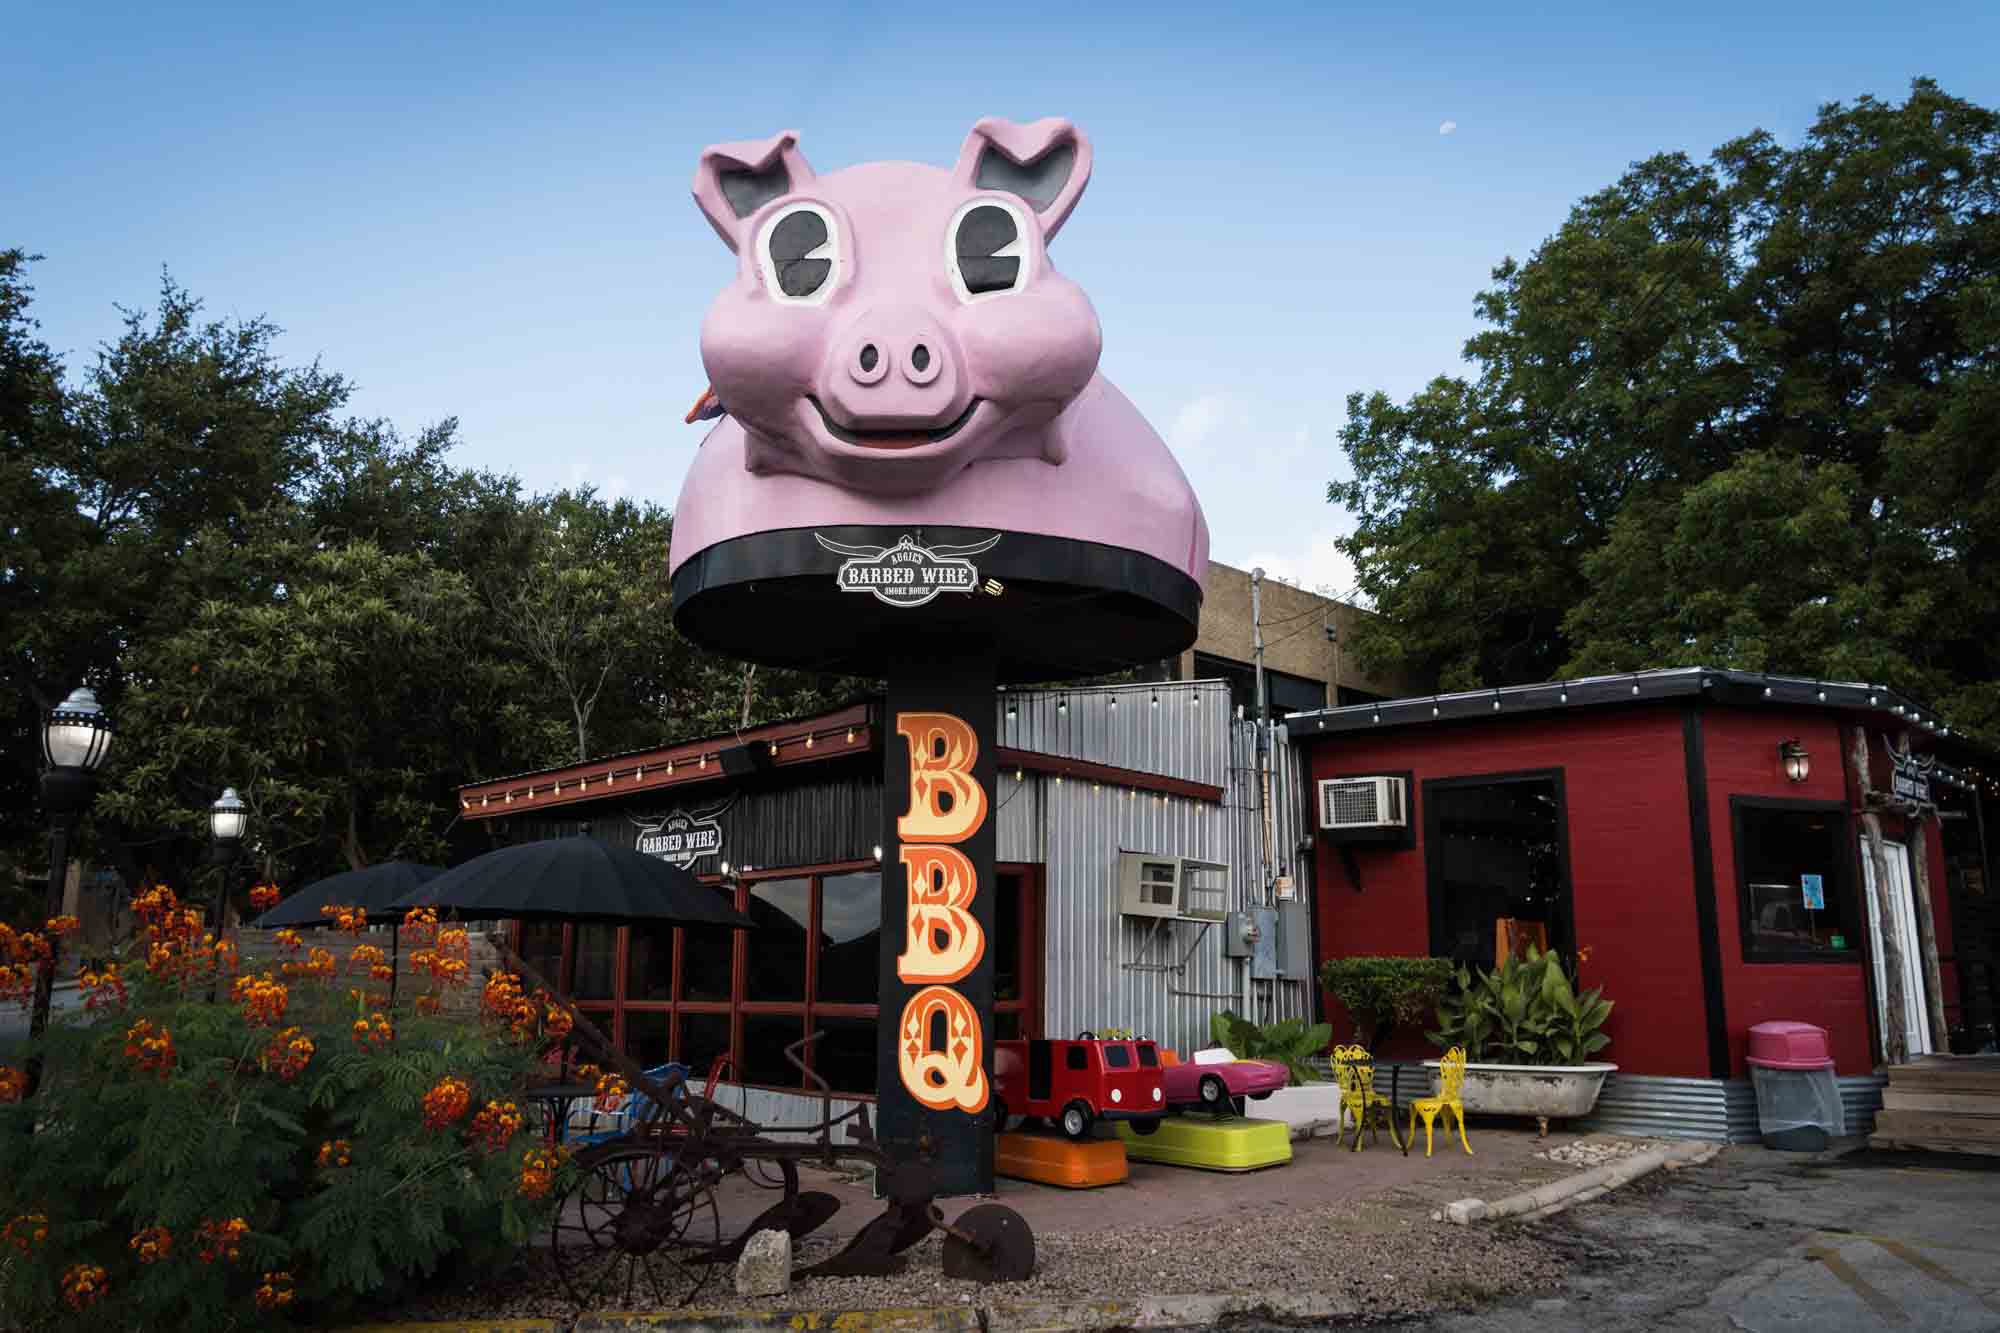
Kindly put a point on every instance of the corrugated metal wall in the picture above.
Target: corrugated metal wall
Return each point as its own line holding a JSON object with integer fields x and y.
{"x": 1103, "y": 969}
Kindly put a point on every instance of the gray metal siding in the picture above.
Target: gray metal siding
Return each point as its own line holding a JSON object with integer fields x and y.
{"x": 1090, "y": 977}
{"x": 809, "y": 823}
{"x": 1860, "y": 1099}
{"x": 1657, "y": 1107}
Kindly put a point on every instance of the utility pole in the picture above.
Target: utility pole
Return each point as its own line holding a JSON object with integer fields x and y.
{"x": 1263, "y": 740}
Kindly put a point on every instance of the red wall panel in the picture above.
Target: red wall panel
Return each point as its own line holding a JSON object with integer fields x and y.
{"x": 1631, "y": 864}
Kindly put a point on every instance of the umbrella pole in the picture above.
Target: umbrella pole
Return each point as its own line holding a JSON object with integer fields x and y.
{"x": 635, "y": 1076}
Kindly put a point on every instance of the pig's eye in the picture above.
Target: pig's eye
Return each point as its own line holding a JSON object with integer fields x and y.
{"x": 799, "y": 251}
{"x": 985, "y": 250}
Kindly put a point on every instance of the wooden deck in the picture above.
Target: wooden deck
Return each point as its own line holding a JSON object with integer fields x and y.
{"x": 1942, "y": 1103}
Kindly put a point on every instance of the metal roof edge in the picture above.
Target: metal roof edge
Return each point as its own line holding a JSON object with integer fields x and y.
{"x": 1723, "y": 684}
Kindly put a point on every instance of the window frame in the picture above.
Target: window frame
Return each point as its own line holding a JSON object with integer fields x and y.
{"x": 1846, "y": 880}
{"x": 610, "y": 1014}
{"x": 1434, "y": 890}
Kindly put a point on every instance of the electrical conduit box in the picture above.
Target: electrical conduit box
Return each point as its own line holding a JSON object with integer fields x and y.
{"x": 1294, "y": 941}
{"x": 1264, "y": 947}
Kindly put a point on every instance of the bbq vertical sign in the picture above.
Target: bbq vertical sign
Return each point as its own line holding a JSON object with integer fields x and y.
{"x": 934, "y": 1059}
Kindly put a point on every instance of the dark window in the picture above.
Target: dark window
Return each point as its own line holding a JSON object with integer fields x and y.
{"x": 850, "y": 939}
{"x": 1117, "y": 1057}
{"x": 782, "y": 909}
{"x": 596, "y": 962}
{"x": 1149, "y": 1057}
{"x": 1006, "y": 1023}
{"x": 1006, "y": 950}
{"x": 1284, "y": 693}
{"x": 706, "y": 962}
{"x": 1496, "y": 849}
{"x": 1797, "y": 893}
{"x": 762, "y": 1059}
{"x": 1078, "y": 1057}
{"x": 646, "y": 1036}
{"x": 703, "y": 1037}
{"x": 649, "y": 969}
{"x": 542, "y": 949}
{"x": 845, "y": 1056}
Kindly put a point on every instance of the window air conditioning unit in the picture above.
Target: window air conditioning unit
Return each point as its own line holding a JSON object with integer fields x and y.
{"x": 1172, "y": 887}
{"x": 1358, "y": 804}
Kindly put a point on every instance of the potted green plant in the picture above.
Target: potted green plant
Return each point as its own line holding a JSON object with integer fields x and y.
{"x": 1529, "y": 1032}
{"x": 1293, "y": 1043}
{"x": 1381, "y": 993}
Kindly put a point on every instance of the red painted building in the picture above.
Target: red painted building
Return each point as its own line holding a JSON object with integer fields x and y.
{"x": 1696, "y": 836}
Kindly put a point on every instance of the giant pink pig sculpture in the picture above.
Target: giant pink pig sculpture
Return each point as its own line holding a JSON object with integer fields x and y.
{"x": 898, "y": 359}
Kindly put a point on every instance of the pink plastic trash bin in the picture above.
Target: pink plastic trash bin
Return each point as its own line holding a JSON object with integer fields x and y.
{"x": 1798, "y": 1098}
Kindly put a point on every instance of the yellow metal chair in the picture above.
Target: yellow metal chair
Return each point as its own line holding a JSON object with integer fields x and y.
{"x": 1354, "y": 1067}
{"x": 1451, "y": 1079}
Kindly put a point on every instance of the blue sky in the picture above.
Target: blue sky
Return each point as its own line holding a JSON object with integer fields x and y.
{"x": 482, "y": 211}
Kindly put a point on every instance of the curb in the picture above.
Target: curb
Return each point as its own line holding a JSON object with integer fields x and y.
{"x": 1582, "y": 1187}
{"x": 463, "y": 1326}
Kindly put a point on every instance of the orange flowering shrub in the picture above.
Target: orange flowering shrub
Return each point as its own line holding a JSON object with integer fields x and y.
{"x": 150, "y": 1048}
{"x": 83, "y": 1285}
{"x": 447, "y": 1102}
{"x": 293, "y": 1146}
{"x": 496, "y": 1123}
{"x": 153, "y": 1244}
{"x": 365, "y": 956}
{"x": 611, "y": 1090}
{"x": 59, "y": 926}
{"x": 103, "y": 989}
{"x": 288, "y": 1054}
{"x": 221, "y": 1240}
{"x": 421, "y": 926}
{"x": 21, "y": 957}
{"x": 275, "y": 1292}
{"x": 13, "y": 1084}
{"x": 289, "y": 941}
{"x": 429, "y": 1004}
{"x": 538, "y": 1171}
{"x": 352, "y": 920}
{"x": 264, "y": 999}
{"x": 27, "y": 1232}
{"x": 319, "y": 963}
{"x": 264, "y": 897}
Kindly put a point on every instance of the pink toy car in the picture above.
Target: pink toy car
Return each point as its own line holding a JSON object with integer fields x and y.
{"x": 1217, "y": 1081}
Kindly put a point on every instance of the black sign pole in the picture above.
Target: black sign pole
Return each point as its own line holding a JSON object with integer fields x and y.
{"x": 935, "y": 1095}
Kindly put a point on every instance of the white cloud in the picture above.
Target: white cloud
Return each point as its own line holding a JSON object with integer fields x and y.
{"x": 1200, "y": 418}
{"x": 1448, "y": 127}
{"x": 1318, "y": 565}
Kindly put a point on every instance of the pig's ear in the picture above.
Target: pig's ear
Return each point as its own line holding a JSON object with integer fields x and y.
{"x": 734, "y": 180}
{"x": 1047, "y": 164}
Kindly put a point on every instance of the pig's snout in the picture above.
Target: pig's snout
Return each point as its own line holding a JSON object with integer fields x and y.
{"x": 893, "y": 368}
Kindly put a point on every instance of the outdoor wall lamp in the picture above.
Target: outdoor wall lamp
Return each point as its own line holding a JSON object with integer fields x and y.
{"x": 1797, "y": 763}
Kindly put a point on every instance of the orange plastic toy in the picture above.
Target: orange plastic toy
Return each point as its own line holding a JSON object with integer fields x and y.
{"x": 1048, "y": 1160}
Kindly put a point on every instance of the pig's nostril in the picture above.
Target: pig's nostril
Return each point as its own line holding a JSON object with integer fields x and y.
{"x": 869, "y": 356}
{"x": 920, "y": 357}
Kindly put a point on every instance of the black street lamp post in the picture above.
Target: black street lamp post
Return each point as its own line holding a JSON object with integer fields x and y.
{"x": 75, "y": 741}
{"x": 227, "y": 819}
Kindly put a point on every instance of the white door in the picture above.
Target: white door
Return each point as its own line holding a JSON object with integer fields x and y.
{"x": 1902, "y": 915}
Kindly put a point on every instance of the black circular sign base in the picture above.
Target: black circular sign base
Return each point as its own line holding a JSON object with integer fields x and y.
{"x": 872, "y": 600}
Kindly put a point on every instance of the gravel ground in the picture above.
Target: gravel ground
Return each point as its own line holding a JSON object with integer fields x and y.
{"x": 1389, "y": 1259}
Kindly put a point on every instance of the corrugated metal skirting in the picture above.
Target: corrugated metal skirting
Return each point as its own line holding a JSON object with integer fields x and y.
{"x": 1706, "y": 1108}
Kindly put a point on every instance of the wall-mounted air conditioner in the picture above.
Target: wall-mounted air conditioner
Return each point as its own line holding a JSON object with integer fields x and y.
{"x": 1172, "y": 887}
{"x": 1357, "y": 804}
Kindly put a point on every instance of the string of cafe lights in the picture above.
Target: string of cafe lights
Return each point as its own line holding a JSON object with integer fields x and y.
{"x": 635, "y": 772}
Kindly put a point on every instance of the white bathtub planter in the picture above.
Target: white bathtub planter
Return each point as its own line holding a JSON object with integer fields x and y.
{"x": 1302, "y": 1105}
{"x": 1546, "y": 1092}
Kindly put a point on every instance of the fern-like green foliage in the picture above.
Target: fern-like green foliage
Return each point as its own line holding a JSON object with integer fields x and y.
{"x": 115, "y": 1149}
{"x": 1289, "y": 1041}
{"x": 1527, "y": 1011}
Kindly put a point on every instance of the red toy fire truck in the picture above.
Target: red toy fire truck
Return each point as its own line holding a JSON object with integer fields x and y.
{"x": 1073, "y": 1084}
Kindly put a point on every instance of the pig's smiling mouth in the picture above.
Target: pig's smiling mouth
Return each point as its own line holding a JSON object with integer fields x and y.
{"x": 893, "y": 439}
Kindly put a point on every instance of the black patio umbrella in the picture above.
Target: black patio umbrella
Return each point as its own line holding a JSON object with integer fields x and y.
{"x": 371, "y": 887}
{"x": 573, "y": 879}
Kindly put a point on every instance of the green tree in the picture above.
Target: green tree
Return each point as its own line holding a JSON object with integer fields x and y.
{"x": 1731, "y": 411}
